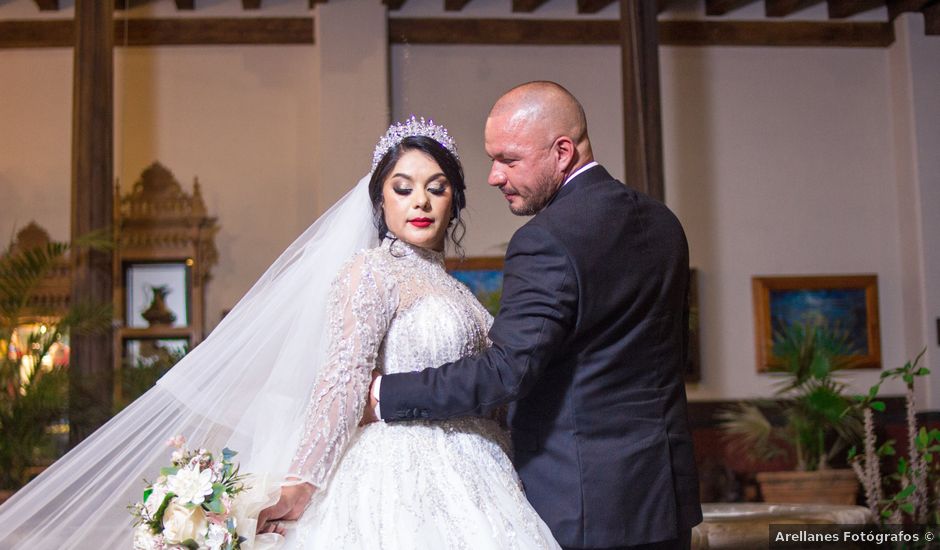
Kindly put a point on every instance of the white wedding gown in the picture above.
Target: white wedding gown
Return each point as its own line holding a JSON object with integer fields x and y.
{"x": 406, "y": 485}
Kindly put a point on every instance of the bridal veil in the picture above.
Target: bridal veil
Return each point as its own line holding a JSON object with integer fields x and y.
{"x": 245, "y": 387}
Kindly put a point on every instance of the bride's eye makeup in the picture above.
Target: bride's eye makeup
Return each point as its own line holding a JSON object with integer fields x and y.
{"x": 438, "y": 188}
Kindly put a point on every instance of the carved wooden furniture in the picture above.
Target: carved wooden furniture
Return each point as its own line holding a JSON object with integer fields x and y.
{"x": 164, "y": 257}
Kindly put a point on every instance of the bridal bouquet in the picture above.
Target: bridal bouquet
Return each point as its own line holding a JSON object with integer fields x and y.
{"x": 192, "y": 504}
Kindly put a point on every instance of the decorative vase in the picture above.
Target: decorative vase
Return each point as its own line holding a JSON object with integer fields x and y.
{"x": 838, "y": 486}
{"x": 157, "y": 313}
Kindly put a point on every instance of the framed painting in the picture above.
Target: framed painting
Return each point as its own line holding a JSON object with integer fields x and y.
{"x": 847, "y": 303}
{"x": 484, "y": 277}
{"x": 157, "y": 294}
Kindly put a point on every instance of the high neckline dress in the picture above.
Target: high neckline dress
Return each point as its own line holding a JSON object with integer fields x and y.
{"x": 422, "y": 485}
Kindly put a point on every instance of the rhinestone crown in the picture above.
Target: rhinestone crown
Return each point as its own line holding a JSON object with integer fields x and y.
{"x": 412, "y": 127}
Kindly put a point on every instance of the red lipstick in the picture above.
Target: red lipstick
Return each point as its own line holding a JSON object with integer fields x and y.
{"x": 421, "y": 222}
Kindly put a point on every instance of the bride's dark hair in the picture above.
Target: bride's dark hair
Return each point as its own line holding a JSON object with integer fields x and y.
{"x": 452, "y": 171}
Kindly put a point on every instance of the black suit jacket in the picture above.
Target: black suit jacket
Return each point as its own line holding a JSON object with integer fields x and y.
{"x": 590, "y": 345}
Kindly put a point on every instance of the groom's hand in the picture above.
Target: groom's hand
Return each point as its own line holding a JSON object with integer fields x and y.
{"x": 368, "y": 415}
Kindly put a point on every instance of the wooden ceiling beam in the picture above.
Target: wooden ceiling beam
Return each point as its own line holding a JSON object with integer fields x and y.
{"x": 455, "y": 5}
{"x": 47, "y": 5}
{"x": 128, "y": 4}
{"x": 897, "y": 7}
{"x": 503, "y": 31}
{"x": 815, "y": 34}
{"x": 783, "y": 8}
{"x": 593, "y": 6}
{"x": 59, "y": 33}
{"x": 839, "y": 9}
{"x": 671, "y": 32}
{"x": 185, "y": 4}
{"x": 722, "y": 7}
{"x": 932, "y": 19}
{"x": 176, "y": 31}
{"x": 526, "y": 6}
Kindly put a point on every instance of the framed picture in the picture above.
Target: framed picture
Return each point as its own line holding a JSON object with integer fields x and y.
{"x": 157, "y": 294}
{"x": 141, "y": 353}
{"x": 847, "y": 303}
{"x": 484, "y": 277}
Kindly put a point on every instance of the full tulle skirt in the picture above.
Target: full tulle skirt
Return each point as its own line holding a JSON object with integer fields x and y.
{"x": 423, "y": 485}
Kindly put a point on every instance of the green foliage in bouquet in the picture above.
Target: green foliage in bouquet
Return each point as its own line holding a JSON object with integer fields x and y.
{"x": 192, "y": 504}
{"x": 811, "y": 417}
{"x": 32, "y": 396}
{"x": 912, "y": 491}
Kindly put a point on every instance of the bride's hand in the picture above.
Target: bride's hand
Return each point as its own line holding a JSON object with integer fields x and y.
{"x": 368, "y": 413}
{"x": 290, "y": 506}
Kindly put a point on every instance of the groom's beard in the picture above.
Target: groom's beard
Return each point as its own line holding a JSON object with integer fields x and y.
{"x": 542, "y": 193}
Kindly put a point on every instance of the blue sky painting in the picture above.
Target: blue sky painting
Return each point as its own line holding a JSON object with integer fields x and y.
{"x": 838, "y": 308}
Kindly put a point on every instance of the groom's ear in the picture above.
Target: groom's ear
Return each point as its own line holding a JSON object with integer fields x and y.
{"x": 564, "y": 150}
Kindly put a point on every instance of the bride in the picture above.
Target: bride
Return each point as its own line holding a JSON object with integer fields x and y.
{"x": 283, "y": 380}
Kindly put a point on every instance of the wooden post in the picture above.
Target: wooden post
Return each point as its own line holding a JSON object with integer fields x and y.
{"x": 91, "y": 371}
{"x": 643, "y": 143}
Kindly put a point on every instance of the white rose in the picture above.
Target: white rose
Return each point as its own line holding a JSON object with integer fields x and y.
{"x": 217, "y": 536}
{"x": 190, "y": 485}
{"x": 181, "y": 523}
{"x": 144, "y": 539}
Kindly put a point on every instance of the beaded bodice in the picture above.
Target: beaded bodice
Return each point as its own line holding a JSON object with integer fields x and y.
{"x": 394, "y": 308}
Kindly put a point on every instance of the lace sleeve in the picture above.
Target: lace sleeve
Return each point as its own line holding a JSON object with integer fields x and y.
{"x": 362, "y": 302}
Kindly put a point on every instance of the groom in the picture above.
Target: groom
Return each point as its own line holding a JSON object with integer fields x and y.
{"x": 589, "y": 344}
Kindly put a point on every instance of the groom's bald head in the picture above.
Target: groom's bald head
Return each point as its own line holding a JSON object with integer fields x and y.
{"x": 543, "y": 107}
{"x": 536, "y": 134}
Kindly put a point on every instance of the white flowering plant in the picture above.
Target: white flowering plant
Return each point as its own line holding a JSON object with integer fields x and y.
{"x": 191, "y": 505}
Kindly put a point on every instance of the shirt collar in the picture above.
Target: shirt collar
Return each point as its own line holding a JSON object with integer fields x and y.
{"x": 578, "y": 172}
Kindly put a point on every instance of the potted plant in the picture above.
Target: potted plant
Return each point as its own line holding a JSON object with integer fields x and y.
{"x": 811, "y": 420}
{"x": 33, "y": 377}
{"x": 910, "y": 493}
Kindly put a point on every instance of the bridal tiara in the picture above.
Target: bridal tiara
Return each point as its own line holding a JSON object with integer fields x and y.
{"x": 412, "y": 127}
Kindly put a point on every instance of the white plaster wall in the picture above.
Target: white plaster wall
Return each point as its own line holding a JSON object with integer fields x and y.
{"x": 925, "y": 94}
{"x": 352, "y": 57}
{"x": 35, "y": 140}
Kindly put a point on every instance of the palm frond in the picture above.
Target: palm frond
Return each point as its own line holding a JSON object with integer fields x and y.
{"x": 99, "y": 239}
{"x": 88, "y": 317}
{"x": 748, "y": 426}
